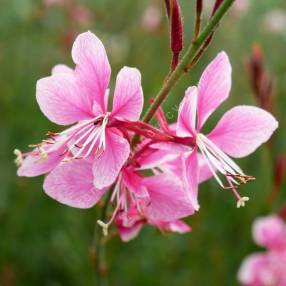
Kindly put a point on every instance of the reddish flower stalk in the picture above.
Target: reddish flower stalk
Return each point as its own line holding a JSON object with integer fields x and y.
{"x": 216, "y": 6}
{"x": 282, "y": 212}
{"x": 199, "y": 8}
{"x": 209, "y": 38}
{"x": 176, "y": 30}
{"x": 261, "y": 82}
{"x": 279, "y": 173}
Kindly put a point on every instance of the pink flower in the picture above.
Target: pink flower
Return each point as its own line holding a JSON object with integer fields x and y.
{"x": 270, "y": 232}
{"x": 80, "y": 97}
{"x": 159, "y": 200}
{"x": 268, "y": 268}
{"x": 239, "y": 132}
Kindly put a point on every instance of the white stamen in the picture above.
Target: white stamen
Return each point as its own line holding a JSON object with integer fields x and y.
{"x": 209, "y": 164}
{"x": 219, "y": 162}
{"x": 90, "y": 128}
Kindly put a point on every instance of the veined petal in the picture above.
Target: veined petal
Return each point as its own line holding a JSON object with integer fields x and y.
{"x": 128, "y": 95}
{"x": 72, "y": 184}
{"x": 168, "y": 200}
{"x": 242, "y": 130}
{"x": 133, "y": 182}
{"x": 190, "y": 176}
{"x": 34, "y": 165}
{"x": 186, "y": 125}
{"x": 107, "y": 166}
{"x": 61, "y": 99}
{"x": 214, "y": 87}
{"x": 92, "y": 67}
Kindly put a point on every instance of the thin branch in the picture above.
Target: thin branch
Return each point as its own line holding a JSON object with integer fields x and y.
{"x": 186, "y": 60}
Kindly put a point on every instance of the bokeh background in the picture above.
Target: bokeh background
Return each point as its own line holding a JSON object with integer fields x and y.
{"x": 45, "y": 243}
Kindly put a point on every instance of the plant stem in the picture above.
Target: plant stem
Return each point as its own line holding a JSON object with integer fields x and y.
{"x": 186, "y": 60}
{"x": 99, "y": 245}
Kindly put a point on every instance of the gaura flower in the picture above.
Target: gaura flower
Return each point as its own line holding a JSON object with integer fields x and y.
{"x": 159, "y": 200}
{"x": 239, "y": 132}
{"x": 79, "y": 97}
{"x": 266, "y": 268}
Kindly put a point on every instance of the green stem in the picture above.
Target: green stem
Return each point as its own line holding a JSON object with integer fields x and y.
{"x": 99, "y": 244}
{"x": 186, "y": 60}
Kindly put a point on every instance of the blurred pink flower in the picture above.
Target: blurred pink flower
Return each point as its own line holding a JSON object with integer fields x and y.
{"x": 151, "y": 18}
{"x": 49, "y": 3}
{"x": 275, "y": 21}
{"x": 81, "y": 96}
{"x": 81, "y": 15}
{"x": 268, "y": 268}
{"x": 239, "y": 132}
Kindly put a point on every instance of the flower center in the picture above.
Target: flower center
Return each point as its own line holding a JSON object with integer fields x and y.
{"x": 87, "y": 138}
{"x": 219, "y": 162}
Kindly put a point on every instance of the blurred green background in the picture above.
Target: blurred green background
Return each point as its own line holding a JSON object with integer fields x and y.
{"x": 45, "y": 243}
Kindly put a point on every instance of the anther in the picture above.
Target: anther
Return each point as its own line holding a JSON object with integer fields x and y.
{"x": 241, "y": 202}
{"x": 104, "y": 227}
{"x": 19, "y": 157}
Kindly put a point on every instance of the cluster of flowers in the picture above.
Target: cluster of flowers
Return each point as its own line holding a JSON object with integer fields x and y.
{"x": 156, "y": 180}
{"x": 266, "y": 268}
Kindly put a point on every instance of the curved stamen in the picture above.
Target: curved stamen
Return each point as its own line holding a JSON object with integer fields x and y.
{"x": 217, "y": 160}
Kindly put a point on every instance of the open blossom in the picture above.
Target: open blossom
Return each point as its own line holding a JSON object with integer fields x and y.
{"x": 239, "y": 132}
{"x": 159, "y": 200}
{"x": 266, "y": 268}
{"x": 80, "y": 97}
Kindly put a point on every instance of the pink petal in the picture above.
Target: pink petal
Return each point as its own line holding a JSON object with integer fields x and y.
{"x": 205, "y": 172}
{"x": 128, "y": 233}
{"x": 128, "y": 95}
{"x": 34, "y": 165}
{"x": 168, "y": 201}
{"x": 72, "y": 184}
{"x": 92, "y": 66}
{"x": 155, "y": 158}
{"x": 61, "y": 68}
{"x": 256, "y": 271}
{"x": 270, "y": 232}
{"x": 214, "y": 87}
{"x": 173, "y": 226}
{"x": 242, "y": 130}
{"x": 129, "y": 224}
{"x": 61, "y": 99}
{"x": 186, "y": 125}
{"x": 108, "y": 165}
{"x": 133, "y": 182}
{"x": 190, "y": 176}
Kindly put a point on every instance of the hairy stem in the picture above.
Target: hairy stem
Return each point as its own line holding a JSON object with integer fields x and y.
{"x": 186, "y": 60}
